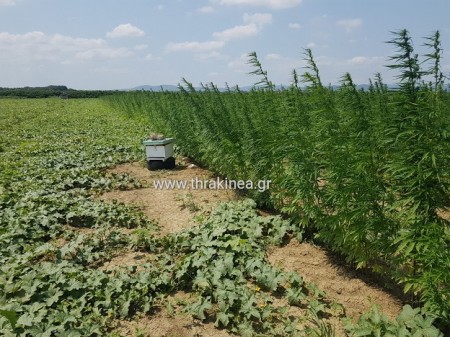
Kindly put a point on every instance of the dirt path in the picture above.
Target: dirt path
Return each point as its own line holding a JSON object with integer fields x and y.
{"x": 163, "y": 324}
{"x": 176, "y": 209}
{"x": 168, "y": 321}
{"x": 340, "y": 284}
{"x": 173, "y": 209}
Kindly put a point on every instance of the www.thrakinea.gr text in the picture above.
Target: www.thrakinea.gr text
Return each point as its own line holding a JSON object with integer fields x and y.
{"x": 212, "y": 184}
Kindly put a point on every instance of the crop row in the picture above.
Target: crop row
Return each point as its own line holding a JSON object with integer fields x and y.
{"x": 366, "y": 172}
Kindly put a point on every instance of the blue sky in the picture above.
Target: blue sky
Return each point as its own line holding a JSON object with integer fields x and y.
{"x": 116, "y": 44}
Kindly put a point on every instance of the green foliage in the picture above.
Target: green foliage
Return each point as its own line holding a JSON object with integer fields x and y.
{"x": 54, "y": 235}
{"x": 51, "y": 167}
{"x": 410, "y": 322}
{"x": 187, "y": 202}
{"x": 236, "y": 290}
{"x": 367, "y": 171}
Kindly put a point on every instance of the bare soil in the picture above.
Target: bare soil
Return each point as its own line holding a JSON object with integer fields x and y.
{"x": 176, "y": 209}
{"x": 341, "y": 284}
{"x": 163, "y": 325}
{"x": 444, "y": 214}
{"x": 173, "y": 209}
{"x": 128, "y": 259}
{"x": 169, "y": 321}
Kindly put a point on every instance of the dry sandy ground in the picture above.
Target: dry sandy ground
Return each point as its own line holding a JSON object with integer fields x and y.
{"x": 444, "y": 214}
{"x": 168, "y": 321}
{"x": 164, "y": 325}
{"x": 341, "y": 284}
{"x": 176, "y": 209}
{"x": 173, "y": 209}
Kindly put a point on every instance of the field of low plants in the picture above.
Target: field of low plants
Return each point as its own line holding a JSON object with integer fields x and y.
{"x": 55, "y": 235}
{"x": 364, "y": 173}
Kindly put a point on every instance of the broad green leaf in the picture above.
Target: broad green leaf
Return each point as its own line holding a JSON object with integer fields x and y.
{"x": 10, "y": 315}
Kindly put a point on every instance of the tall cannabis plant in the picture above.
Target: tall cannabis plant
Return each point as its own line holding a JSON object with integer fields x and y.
{"x": 417, "y": 169}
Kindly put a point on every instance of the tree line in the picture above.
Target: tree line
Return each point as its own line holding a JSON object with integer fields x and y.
{"x": 53, "y": 91}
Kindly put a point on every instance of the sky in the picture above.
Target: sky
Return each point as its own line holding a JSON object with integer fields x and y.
{"x": 118, "y": 44}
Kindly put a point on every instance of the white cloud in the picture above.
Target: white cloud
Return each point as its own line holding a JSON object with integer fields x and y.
{"x": 273, "y": 56}
{"x": 237, "y": 32}
{"x": 125, "y": 30}
{"x": 103, "y": 53}
{"x": 254, "y": 23}
{"x": 194, "y": 46}
{"x": 36, "y": 45}
{"x": 206, "y": 9}
{"x": 151, "y": 57}
{"x": 213, "y": 55}
{"x": 140, "y": 47}
{"x": 295, "y": 26}
{"x": 259, "y": 19}
{"x": 7, "y": 2}
{"x": 274, "y": 4}
{"x": 349, "y": 24}
{"x": 240, "y": 64}
{"x": 325, "y": 61}
{"x": 361, "y": 68}
{"x": 109, "y": 70}
{"x": 311, "y": 45}
{"x": 364, "y": 60}
{"x": 344, "y": 64}
{"x": 279, "y": 67}
{"x": 358, "y": 60}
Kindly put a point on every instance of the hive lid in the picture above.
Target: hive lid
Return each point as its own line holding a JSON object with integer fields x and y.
{"x": 158, "y": 141}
